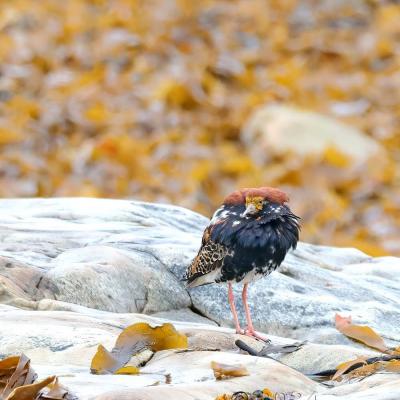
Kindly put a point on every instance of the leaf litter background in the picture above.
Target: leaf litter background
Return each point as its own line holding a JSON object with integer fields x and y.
{"x": 146, "y": 100}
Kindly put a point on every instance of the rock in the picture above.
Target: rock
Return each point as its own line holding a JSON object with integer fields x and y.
{"x": 315, "y": 283}
{"x": 129, "y": 257}
{"x": 63, "y": 343}
{"x": 183, "y": 314}
{"x": 278, "y": 129}
{"x": 107, "y": 254}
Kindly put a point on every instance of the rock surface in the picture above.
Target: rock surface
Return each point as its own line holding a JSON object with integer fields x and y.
{"x": 109, "y": 254}
{"x": 75, "y": 272}
{"x": 280, "y": 129}
{"x": 313, "y": 284}
{"x": 63, "y": 342}
{"x": 125, "y": 256}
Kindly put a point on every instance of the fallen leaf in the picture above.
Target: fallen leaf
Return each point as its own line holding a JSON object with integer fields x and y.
{"x": 17, "y": 382}
{"x": 133, "y": 340}
{"x": 29, "y": 392}
{"x": 158, "y": 338}
{"x": 224, "y": 397}
{"x": 396, "y": 350}
{"x": 127, "y": 370}
{"x": 268, "y": 393}
{"x": 335, "y": 157}
{"x": 393, "y": 366}
{"x": 14, "y": 373}
{"x": 225, "y": 371}
{"x": 103, "y": 362}
{"x": 56, "y": 391}
{"x": 363, "y": 334}
{"x": 344, "y": 367}
{"x": 365, "y": 370}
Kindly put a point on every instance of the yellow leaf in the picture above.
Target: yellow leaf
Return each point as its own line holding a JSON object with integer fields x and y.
{"x": 97, "y": 113}
{"x": 176, "y": 94}
{"x": 335, "y": 157}
{"x": 56, "y": 391}
{"x": 365, "y": 370}
{"x": 360, "y": 333}
{"x": 8, "y": 136}
{"x": 343, "y": 367}
{"x": 159, "y": 338}
{"x": 132, "y": 340}
{"x": 268, "y": 393}
{"x": 393, "y": 366}
{"x": 103, "y": 361}
{"x": 29, "y": 392}
{"x": 224, "y": 371}
{"x": 224, "y": 396}
{"x": 128, "y": 370}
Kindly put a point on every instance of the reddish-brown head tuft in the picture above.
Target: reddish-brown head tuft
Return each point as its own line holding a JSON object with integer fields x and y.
{"x": 268, "y": 193}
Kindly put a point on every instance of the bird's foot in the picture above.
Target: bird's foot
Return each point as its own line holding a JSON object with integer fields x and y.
{"x": 255, "y": 335}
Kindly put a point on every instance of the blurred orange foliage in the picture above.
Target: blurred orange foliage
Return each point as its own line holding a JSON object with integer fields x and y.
{"x": 146, "y": 99}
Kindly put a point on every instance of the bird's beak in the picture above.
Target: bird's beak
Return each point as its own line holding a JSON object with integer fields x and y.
{"x": 250, "y": 209}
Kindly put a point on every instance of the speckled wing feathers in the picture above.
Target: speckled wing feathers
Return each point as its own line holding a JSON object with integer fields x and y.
{"x": 243, "y": 248}
{"x": 209, "y": 259}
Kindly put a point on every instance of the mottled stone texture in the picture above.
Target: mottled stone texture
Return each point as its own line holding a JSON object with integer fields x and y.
{"x": 127, "y": 256}
{"x": 75, "y": 272}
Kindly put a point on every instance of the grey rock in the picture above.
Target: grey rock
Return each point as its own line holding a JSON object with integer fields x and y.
{"x": 64, "y": 342}
{"x": 184, "y": 314}
{"x": 314, "y": 283}
{"x": 108, "y": 254}
{"x": 125, "y": 256}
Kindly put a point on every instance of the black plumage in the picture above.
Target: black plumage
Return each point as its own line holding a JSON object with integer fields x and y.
{"x": 247, "y": 238}
{"x": 237, "y": 245}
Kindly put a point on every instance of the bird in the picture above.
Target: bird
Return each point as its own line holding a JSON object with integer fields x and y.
{"x": 247, "y": 238}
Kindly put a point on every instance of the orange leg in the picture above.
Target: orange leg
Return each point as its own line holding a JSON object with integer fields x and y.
{"x": 233, "y": 308}
{"x": 250, "y": 328}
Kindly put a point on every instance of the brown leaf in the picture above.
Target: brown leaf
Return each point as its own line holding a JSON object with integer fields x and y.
{"x": 365, "y": 370}
{"x": 16, "y": 372}
{"x": 363, "y": 334}
{"x": 103, "y": 362}
{"x": 343, "y": 367}
{"x": 17, "y": 382}
{"x": 127, "y": 370}
{"x": 225, "y": 371}
{"x": 56, "y": 391}
{"x": 132, "y": 340}
{"x": 396, "y": 350}
{"x": 393, "y": 366}
{"x": 29, "y": 392}
{"x": 7, "y": 367}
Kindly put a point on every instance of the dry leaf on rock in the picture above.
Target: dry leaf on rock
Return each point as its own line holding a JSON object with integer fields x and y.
{"x": 127, "y": 370}
{"x": 365, "y": 370}
{"x": 15, "y": 372}
{"x": 392, "y": 366}
{"x": 363, "y": 334}
{"x": 158, "y": 338}
{"x": 344, "y": 367}
{"x": 56, "y": 391}
{"x": 225, "y": 371}
{"x": 17, "y": 382}
{"x": 29, "y": 392}
{"x": 132, "y": 340}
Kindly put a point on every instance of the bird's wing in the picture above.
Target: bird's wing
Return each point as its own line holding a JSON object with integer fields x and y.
{"x": 206, "y": 265}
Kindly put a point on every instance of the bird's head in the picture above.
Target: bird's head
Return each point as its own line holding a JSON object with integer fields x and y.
{"x": 255, "y": 200}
